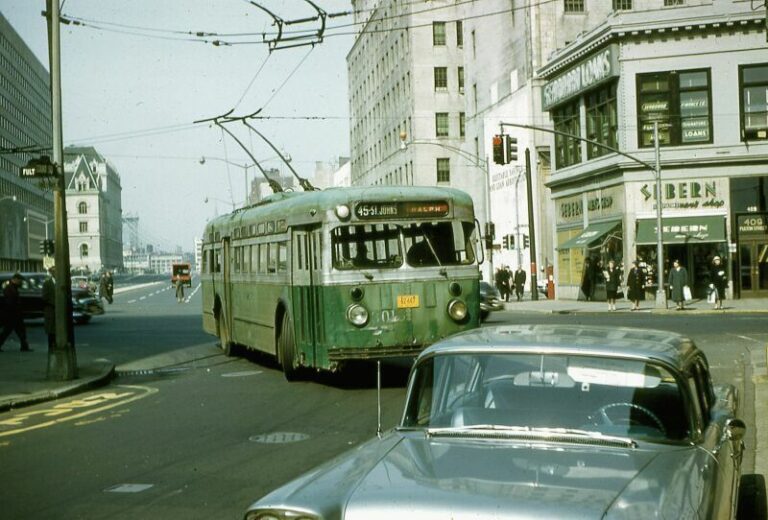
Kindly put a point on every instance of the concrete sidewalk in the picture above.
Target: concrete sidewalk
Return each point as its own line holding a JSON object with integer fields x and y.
{"x": 752, "y": 305}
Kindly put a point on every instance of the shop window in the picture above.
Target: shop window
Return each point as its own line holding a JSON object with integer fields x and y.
{"x": 567, "y": 149}
{"x": 443, "y": 170}
{"x": 679, "y": 102}
{"x": 754, "y": 101}
{"x": 438, "y": 33}
{"x": 602, "y": 121}
{"x": 441, "y": 124}
{"x": 441, "y": 79}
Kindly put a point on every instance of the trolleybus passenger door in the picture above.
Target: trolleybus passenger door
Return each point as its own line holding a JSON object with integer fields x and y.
{"x": 225, "y": 320}
{"x": 304, "y": 265}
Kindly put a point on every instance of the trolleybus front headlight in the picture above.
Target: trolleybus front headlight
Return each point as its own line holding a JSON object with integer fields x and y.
{"x": 357, "y": 315}
{"x": 342, "y": 211}
{"x": 457, "y": 310}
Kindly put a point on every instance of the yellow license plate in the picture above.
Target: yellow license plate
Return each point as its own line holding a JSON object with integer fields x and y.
{"x": 407, "y": 301}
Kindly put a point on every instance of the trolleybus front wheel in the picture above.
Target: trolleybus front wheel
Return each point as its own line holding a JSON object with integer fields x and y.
{"x": 286, "y": 345}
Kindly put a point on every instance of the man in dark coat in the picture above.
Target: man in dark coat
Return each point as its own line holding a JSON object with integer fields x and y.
{"x": 106, "y": 286}
{"x": 678, "y": 279}
{"x": 635, "y": 285}
{"x": 49, "y": 308}
{"x": 13, "y": 321}
{"x": 519, "y": 281}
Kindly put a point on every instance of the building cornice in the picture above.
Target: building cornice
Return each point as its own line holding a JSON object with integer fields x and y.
{"x": 624, "y": 26}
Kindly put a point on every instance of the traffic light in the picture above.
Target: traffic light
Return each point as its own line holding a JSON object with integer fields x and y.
{"x": 46, "y": 247}
{"x": 506, "y": 241}
{"x": 510, "y": 148}
{"x": 526, "y": 242}
{"x": 511, "y": 241}
{"x": 498, "y": 150}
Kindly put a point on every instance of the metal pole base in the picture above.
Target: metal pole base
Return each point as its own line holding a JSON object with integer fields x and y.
{"x": 661, "y": 300}
{"x": 62, "y": 365}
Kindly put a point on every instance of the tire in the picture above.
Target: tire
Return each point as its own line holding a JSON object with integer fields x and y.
{"x": 286, "y": 345}
{"x": 484, "y": 315}
{"x": 224, "y": 338}
{"x": 752, "y": 499}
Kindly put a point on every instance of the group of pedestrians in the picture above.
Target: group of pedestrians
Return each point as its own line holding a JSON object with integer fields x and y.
{"x": 508, "y": 282}
{"x": 678, "y": 280}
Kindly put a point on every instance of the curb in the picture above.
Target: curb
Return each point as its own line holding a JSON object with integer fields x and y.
{"x": 81, "y": 385}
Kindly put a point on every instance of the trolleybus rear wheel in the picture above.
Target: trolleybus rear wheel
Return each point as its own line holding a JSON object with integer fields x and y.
{"x": 287, "y": 347}
{"x": 221, "y": 327}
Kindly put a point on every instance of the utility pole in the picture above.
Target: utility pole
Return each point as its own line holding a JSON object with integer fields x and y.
{"x": 62, "y": 361}
{"x": 531, "y": 227}
{"x": 661, "y": 296}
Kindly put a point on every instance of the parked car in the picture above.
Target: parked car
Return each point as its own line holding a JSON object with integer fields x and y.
{"x": 563, "y": 422}
{"x": 490, "y": 300}
{"x": 84, "y": 303}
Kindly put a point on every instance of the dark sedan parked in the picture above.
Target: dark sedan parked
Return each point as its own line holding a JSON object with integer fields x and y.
{"x": 561, "y": 422}
{"x": 84, "y": 303}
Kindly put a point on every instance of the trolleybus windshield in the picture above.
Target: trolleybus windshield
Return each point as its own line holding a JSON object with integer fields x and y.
{"x": 382, "y": 246}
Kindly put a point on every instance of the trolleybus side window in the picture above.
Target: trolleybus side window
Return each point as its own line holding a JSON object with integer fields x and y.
{"x": 271, "y": 258}
{"x": 282, "y": 257}
{"x": 262, "y": 258}
{"x": 361, "y": 246}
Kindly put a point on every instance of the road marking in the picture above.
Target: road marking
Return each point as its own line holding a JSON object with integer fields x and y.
{"x": 128, "y": 488}
{"x": 279, "y": 438}
{"x": 746, "y": 338}
{"x": 142, "y": 298}
{"x": 243, "y": 373}
{"x": 69, "y": 410}
{"x": 131, "y": 301}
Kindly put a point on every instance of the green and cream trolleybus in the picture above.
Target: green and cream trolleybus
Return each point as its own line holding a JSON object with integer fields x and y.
{"x": 318, "y": 278}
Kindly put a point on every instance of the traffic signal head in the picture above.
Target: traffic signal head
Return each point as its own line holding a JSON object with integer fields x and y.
{"x": 510, "y": 148}
{"x": 526, "y": 241}
{"x": 43, "y": 247}
{"x": 506, "y": 241}
{"x": 498, "y": 150}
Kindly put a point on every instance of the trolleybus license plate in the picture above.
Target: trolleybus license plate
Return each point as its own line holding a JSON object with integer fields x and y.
{"x": 407, "y": 301}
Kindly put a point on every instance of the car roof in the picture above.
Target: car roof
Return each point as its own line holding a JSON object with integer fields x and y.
{"x": 670, "y": 348}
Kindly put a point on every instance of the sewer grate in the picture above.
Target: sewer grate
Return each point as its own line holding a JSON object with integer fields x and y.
{"x": 279, "y": 438}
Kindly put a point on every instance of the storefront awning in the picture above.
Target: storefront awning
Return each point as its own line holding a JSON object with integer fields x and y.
{"x": 591, "y": 234}
{"x": 682, "y": 230}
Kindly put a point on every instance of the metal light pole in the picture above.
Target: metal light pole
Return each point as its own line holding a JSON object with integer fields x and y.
{"x": 62, "y": 360}
{"x": 661, "y": 295}
{"x": 531, "y": 228}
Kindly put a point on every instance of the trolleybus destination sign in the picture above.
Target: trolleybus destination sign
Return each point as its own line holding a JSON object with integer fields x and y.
{"x": 403, "y": 209}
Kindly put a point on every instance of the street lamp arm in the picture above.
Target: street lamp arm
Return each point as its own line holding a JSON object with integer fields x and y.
{"x": 579, "y": 138}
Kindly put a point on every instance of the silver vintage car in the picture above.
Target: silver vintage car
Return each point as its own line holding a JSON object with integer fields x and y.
{"x": 541, "y": 422}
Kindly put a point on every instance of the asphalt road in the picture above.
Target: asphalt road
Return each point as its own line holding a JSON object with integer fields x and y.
{"x": 206, "y": 440}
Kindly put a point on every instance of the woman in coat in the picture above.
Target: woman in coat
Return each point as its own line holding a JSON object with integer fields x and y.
{"x": 635, "y": 285}
{"x": 678, "y": 278}
{"x": 718, "y": 281}
{"x": 612, "y": 283}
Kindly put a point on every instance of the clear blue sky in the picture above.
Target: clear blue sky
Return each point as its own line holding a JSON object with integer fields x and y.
{"x": 127, "y": 77}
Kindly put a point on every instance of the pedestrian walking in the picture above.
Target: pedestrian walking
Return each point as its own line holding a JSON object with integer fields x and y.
{"x": 13, "y": 320}
{"x": 588, "y": 279}
{"x": 49, "y": 308}
{"x": 519, "y": 281}
{"x": 179, "y": 289}
{"x": 106, "y": 286}
{"x": 718, "y": 281}
{"x": 508, "y": 282}
{"x": 612, "y": 284}
{"x": 678, "y": 280}
{"x": 635, "y": 285}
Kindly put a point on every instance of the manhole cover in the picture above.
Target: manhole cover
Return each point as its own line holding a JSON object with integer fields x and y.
{"x": 279, "y": 437}
{"x": 244, "y": 373}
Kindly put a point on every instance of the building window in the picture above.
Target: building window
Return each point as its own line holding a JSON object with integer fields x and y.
{"x": 460, "y": 75}
{"x": 567, "y": 149}
{"x": 83, "y": 250}
{"x": 459, "y": 33}
{"x": 462, "y": 124}
{"x": 679, "y": 102}
{"x": 602, "y": 120}
{"x": 82, "y": 208}
{"x": 669, "y": 3}
{"x": 574, "y": 6}
{"x": 438, "y": 33}
{"x": 441, "y": 79}
{"x": 441, "y": 124}
{"x": 622, "y": 5}
{"x": 754, "y": 101}
{"x": 443, "y": 170}
{"x": 83, "y": 227}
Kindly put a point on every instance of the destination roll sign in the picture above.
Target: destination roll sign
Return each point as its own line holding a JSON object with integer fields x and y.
{"x": 38, "y": 168}
{"x": 403, "y": 209}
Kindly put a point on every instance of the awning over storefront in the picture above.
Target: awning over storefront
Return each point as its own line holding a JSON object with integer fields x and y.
{"x": 591, "y": 234}
{"x": 682, "y": 230}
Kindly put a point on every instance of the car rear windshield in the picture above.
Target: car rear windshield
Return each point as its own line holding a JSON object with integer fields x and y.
{"x": 606, "y": 395}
